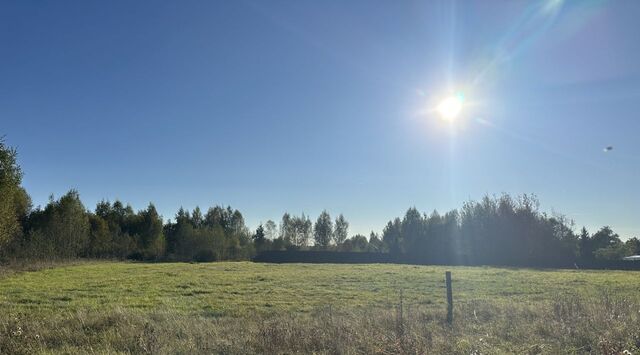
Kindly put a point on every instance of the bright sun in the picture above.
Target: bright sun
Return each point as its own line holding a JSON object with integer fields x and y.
{"x": 450, "y": 107}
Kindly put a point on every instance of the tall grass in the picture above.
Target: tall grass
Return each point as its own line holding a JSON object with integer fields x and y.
{"x": 603, "y": 324}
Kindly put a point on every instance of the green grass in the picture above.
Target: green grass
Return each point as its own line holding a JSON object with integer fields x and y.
{"x": 131, "y": 298}
{"x": 241, "y": 288}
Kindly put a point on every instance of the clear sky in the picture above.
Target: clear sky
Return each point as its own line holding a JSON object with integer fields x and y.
{"x": 300, "y": 106}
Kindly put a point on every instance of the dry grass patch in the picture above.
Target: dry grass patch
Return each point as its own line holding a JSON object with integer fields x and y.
{"x": 602, "y": 325}
{"x": 240, "y": 308}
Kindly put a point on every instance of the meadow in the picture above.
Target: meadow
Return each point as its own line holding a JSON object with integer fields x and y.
{"x": 243, "y": 307}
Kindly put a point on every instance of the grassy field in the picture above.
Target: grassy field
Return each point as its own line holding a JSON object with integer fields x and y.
{"x": 242, "y": 307}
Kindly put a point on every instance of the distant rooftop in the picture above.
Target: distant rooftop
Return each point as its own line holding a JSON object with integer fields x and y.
{"x": 632, "y": 257}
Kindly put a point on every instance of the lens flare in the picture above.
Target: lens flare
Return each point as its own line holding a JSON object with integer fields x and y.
{"x": 450, "y": 107}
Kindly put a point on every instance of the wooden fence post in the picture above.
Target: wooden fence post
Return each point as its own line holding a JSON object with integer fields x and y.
{"x": 449, "y": 297}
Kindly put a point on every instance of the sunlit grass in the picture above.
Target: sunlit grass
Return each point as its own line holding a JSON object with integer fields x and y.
{"x": 244, "y": 288}
{"x": 242, "y": 307}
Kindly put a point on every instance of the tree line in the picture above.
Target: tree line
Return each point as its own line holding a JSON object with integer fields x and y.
{"x": 501, "y": 230}
{"x": 495, "y": 230}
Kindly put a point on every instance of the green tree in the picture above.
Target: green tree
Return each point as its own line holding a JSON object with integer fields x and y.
{"x": 357, "y": 243}
{"x": 605, "y": 244}
{"x": 271, "y": 230}
{"x": 323, "y": 230}
{"x": 259, "y": 238}
{"x": 583, "y": 243}
{"x": 121, "y": 222}
{"x": 287, "y": 229}
{"x": 149, "y": 233}
{"x": 295, "y": 231}
{"x": 616, "y": 251}
{"x": 341, "y": 230}
{"x": 100, "y": 238}
{"x": 375, "y": 243}
{"x": 14, "y": 201}
{"x": 413, "y": 237}
{"x": 392, "y": 236}
{"x": 302, "y": 228}
{"x": 60, "y": 230}
{"x": 633, "y": 246}
{"x": 197, "y": 220}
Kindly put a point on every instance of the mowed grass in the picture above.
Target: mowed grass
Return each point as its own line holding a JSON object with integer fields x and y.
{"x": 249, "y": 308}
{"x": 243, "y": 288}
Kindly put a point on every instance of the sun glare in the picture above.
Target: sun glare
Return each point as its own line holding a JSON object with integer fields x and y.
{"x": 450, "y": 107}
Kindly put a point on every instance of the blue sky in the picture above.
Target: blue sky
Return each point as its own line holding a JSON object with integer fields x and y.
{"x": 300, "y": 106}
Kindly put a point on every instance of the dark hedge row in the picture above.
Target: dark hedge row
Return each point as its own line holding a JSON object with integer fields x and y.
{"x": 334, "y": 257}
